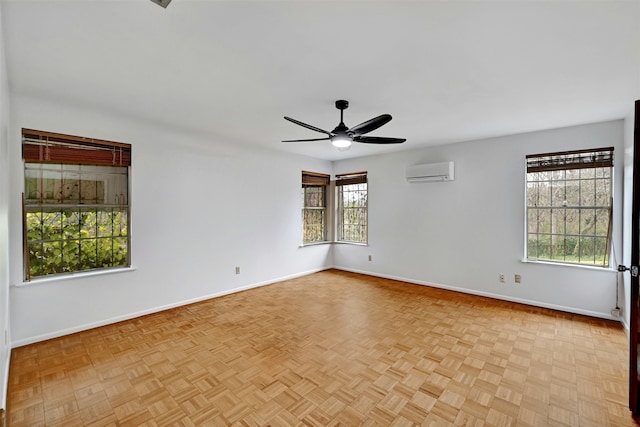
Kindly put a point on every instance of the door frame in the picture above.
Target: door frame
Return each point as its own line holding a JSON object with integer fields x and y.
{"x": 634, "y": 383}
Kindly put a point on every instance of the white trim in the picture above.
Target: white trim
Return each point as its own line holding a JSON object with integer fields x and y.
{"x": 77, "y": 275}
{"x": 117, "y": 319}
{"x": 324, "y": 242}
{"x": 627, "y": 329}
{"x": 5, "y": 385}
{"x": 568, "y": 264}
{"x": 487, "y": 294}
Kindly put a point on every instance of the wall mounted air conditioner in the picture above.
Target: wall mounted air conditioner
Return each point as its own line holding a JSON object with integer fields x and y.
{"x": 430, "y": 172}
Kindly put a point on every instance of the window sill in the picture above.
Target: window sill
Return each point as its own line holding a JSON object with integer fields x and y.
{"x": 332, "y": 243}
{"x": 304, "y": 245}
{"x": 569, "y": 264}
{"x": 78, "y": 275}
{"x": 352, "y": 243}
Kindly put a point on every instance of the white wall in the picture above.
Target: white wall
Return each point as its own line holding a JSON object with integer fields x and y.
{"x": 625, "y": 278}
{"x": 4, "y": 225}
{"x": 199, "y": 209}
{"x": 463, "y": 234}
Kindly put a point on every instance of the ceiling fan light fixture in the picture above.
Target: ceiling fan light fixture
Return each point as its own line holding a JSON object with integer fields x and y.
{"x": 341, "y": 141}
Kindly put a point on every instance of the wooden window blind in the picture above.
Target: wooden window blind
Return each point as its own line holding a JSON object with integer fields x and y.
{"x": 49, "y": 147}
{"x": 351, "y": 178}
{"x": 314, "y": 178}
{"x": 579, "y": 159}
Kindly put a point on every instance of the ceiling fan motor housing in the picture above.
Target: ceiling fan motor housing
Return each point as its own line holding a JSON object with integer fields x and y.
{"x": 341, "y": 104}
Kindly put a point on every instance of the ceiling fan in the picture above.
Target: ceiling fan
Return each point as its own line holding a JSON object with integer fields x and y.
{"x": 342, "y": 137}
{"x": 163, "y": 3}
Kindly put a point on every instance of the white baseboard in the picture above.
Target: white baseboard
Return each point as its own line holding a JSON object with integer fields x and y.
{"x": 87, "y": 326}
{"x": 626, "y": 327}
{"x": 5, "y": 382}
{"x": 572, "y": 310}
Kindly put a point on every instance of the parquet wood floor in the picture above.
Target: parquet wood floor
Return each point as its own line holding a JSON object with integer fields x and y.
{"x": 329, "y": 349}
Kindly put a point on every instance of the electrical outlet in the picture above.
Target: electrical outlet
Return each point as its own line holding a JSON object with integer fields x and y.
{"x": 369, "y": 257}
{"x": 237, "y": 270}
{"x": 517, "y": 278}
{"x": 616, "y": 312}
{"x": 501, "y": 278}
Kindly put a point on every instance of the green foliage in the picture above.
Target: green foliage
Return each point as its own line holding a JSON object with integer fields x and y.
{"x": 576, "y": 249}
{"x": 313, "y": 225}
{"x": 568, "y": 215}
{"x": 314, "y": 219}
{"x": 353, "y": 213}
{"x": 69, "y": 240}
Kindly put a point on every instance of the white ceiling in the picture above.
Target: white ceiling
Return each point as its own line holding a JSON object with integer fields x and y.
{"x": 446, "y": 71}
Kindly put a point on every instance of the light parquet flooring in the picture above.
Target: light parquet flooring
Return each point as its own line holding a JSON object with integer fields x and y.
{"x": 328, "y": 349}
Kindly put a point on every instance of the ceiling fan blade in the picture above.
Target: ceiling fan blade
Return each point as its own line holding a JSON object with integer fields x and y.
{"x": 307, "y": 140}
{"x": 370, "y": 125}
{"x": 378, "y": 140}
{"x": 304, "y": 125}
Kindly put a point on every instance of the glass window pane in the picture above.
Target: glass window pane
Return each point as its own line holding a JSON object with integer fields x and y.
{"x": 36, "y": 258}
{"x": 587, "y": 250}
{"x": 532, "y": 222}
{"x": 70, "y": 255}
{"x": 558, "y": 221}
{"x": 544, "y": 220}
{"x": 558, "y": 248}
{"x": 603, "y": 192}
{"x": 91, "y": 189}
{"x": 119, "y": 222}
{"x": 65, "y": 238}
{"x": 587, "y": 173}
{"x": 572, "y": 174}
{"x": 600, "y": 249}
{"x": 532, "y": 194}
{"x": 353, "y": 213}
{"x": 532, "y": 246}
{"x": 572, "y": 189}
{"x": 88, "y": 223}
{"x": 571, "y": 223}
{"x": 104, "y": 252}
{"x": 603, "y": 172}
{"x": 68, "y": 190}
{"x": 52, "y": 257}
{"x": 71, "y": 224}
{"x": 88, "y": 255}
{"x": 51, "y": 225}
{"x": 587, "y": 222}
{"x": 602, "y": 222}
{"x": 120, "y": 251}
{"x": 105, "y": 223}
{"x": 34, "y": 225}
{"x": 544, "y": 246}
{"x": 558, "y": 194}
{"x": 587, "y": 192}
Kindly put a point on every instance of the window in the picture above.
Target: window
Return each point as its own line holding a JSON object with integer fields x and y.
{"x": 569, "y": 206}
{"x": 76, "y": 204}
{"x": 352, "y": 207}
{"x": 314, "y": 208}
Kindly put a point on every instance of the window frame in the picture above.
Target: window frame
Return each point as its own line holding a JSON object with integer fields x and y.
{"x": 559, "y": 180}
{"x": 51, "y": 159}
{"x": 348, "y": 180}
{"x": 315, "y": 181}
